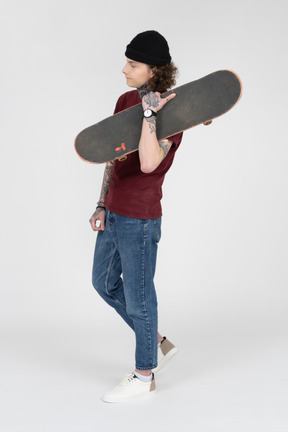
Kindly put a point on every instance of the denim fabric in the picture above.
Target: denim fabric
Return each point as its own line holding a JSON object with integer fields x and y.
{"x": 123, "y": 273}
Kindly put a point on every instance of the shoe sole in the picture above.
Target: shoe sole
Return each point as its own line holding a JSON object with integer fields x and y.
{"x": 132, "y": 399}
{"x": 165, "y": 359}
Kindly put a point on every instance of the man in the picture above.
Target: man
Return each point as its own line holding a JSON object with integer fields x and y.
{"x": 128, "y": 216}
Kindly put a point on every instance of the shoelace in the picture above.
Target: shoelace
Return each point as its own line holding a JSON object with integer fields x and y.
{"x": 126, "y": 381}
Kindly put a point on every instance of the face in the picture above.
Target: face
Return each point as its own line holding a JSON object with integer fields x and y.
{"x": 136, "y": 73}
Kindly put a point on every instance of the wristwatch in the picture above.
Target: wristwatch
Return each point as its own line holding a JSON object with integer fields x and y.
{"x": 149, "y": 113}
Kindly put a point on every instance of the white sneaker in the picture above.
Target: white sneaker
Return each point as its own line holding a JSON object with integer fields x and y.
{"x": 130, "y": 388}
{"x": 166, "y": 351}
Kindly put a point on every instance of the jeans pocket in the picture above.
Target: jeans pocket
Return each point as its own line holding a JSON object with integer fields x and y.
{"x": 157, "y": 229}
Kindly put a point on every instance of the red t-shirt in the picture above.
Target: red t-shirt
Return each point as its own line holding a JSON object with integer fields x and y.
{"x": 131, "y": 192}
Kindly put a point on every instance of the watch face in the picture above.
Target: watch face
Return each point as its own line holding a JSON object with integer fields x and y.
{"x": 148, "y": 113}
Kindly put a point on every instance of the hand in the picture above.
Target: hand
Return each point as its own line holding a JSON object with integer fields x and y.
{"x": 98, "y": 215}
{"x": 154, "y": 101}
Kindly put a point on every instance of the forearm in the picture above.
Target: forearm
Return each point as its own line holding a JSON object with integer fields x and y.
{"x": 150, "y": 153}
{"x": 109, "y": 167}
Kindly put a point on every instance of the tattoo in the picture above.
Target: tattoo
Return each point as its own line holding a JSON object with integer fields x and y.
{"x": 165, "y": 146}
{"x": 152, "y": 124}
{"x": 143, "y": 90}
{"x": 98, "y": 211}
{"x": 151, "y": 100}
{"x": 109, "y": 167}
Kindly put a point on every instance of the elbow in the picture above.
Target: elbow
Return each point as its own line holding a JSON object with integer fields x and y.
{"x": 149, "y": 164}
{"x": 147, "y": 168}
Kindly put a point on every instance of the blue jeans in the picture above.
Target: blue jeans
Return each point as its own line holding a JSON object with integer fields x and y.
{"x": 123, "y": 273}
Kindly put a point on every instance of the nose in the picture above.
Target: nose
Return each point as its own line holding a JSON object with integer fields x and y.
{"x": 124, "y": 69}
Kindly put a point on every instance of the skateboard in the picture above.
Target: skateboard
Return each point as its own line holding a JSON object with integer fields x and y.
{"x": 195, "y": 103}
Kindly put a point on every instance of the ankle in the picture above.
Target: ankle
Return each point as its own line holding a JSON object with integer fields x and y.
{"x": 160, "y": 338}
{"x": 142, "y": 377}
{"x": 143, "y": 372}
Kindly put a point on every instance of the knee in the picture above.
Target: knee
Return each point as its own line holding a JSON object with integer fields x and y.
{"x": 98, "y": 284}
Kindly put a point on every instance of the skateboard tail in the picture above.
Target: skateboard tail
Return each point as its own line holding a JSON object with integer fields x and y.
{"x": 79, "y": 153}
{"x": 201, "y": 102}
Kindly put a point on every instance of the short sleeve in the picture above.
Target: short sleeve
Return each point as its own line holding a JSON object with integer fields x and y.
{"x": 176, "y": 139}
{"x": 119, "y": 105}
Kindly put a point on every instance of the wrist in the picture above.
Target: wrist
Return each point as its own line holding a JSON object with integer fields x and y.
{"x": 148, "y": 113}
{"x": 100, "y": 204}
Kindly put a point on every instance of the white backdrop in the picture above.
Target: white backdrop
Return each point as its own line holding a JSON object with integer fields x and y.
{"x": 222, "y": 267}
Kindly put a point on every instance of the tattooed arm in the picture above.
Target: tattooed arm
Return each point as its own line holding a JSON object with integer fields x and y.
{"x": 152, "y": 151}
{"x": 99, "y": 214}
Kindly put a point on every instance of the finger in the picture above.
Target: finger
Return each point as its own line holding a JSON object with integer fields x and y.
{"x": 99, "y": 222}
{"x": 167, "y": 98}
{"x": 102, "y": 223}
{"x": 171, "y": 96}
{"x": 93, "y": 223}
{"x": 99, "y": 225}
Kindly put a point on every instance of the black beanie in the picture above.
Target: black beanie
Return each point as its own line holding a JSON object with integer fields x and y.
{"x": 149, "y": 47}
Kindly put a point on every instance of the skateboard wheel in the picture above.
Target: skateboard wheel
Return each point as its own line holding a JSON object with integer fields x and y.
{"x": 122, "y": 158}
{"x": 208, "y": 122}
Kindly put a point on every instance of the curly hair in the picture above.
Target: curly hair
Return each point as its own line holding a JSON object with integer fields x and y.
{"x": 164, "y": 77}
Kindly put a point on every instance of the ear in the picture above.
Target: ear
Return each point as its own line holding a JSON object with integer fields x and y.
{"x": 152, "y": 71}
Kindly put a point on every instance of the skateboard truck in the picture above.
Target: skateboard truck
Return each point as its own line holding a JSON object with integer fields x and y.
{"x": 122, "y": 158}
{"x": 207, "y": 123}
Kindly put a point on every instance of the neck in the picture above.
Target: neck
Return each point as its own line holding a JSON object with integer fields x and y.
{"x": 143, "y": 90}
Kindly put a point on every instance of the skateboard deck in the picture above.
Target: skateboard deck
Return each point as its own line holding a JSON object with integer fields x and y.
{"x": 195, "y": 103}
